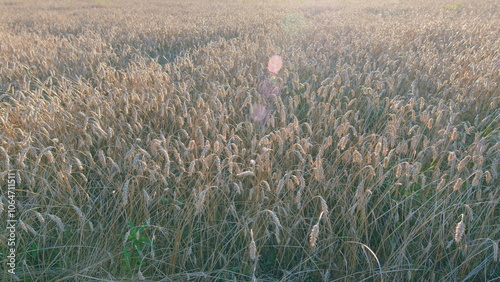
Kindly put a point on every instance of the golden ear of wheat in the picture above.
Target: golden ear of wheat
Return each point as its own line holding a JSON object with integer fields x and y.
{"x": 313, "y": 236}
{"x": 245, "y": 173}
{"x": 125, "y": 192}
{"x": 324, "y": 206}
{"x": 253, "y": 247}
{"x": 458, "y": 184}
{"x": 460, "y": 230}
{"x": 277, "y": 224}
{"x": 57, "y": 220}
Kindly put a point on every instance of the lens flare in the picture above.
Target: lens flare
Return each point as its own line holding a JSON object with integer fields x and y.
{"x": 259, "y": 113}
{"x": 270, "y": 86}
{"x": 275, "y": 64}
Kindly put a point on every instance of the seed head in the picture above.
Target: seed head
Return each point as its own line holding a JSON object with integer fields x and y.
{"x": 458, "y": 184}
{"x": 245, "y": 173}
{"x": 253, "y": 247}
{"x": 313, "y": 237}
{"x": 460, "y": 230}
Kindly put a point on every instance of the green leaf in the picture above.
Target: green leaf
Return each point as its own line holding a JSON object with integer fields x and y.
{"x": 146, "y": 241}
{"x": 126, "y": 254}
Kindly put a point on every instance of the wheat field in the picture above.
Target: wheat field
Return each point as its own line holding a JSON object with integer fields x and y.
{"x": 280, "y": 140}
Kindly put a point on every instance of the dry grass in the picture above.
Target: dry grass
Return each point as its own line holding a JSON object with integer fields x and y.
{"x": 384, "y": 120}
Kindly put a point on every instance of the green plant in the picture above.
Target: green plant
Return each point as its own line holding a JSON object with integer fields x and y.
{"x": 135, "y": 246}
